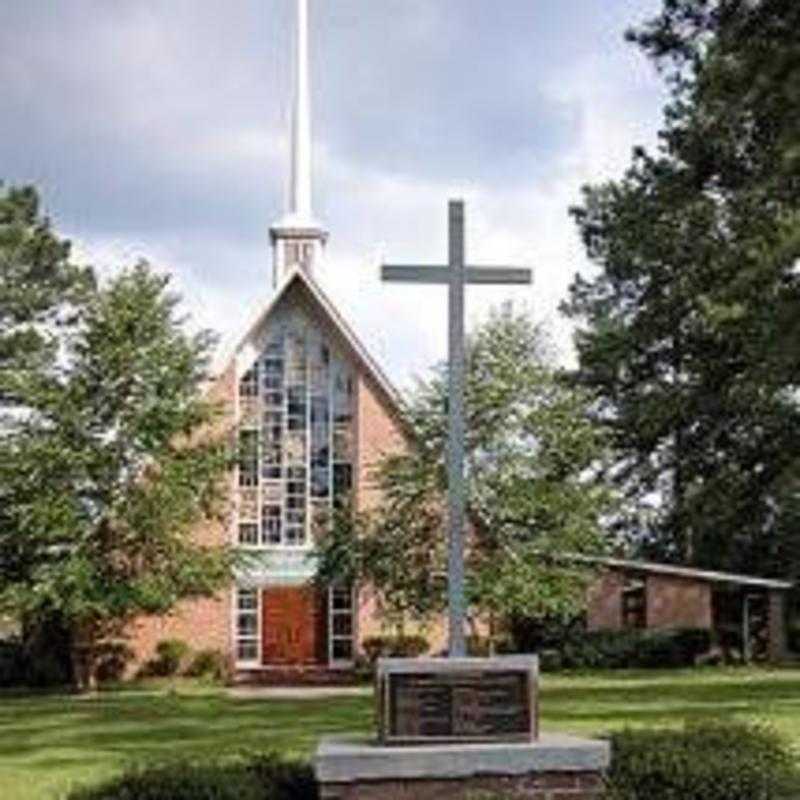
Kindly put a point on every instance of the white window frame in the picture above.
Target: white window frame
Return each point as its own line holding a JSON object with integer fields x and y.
{"x": 247, "y": 663}
{"x": 342, "y": 663}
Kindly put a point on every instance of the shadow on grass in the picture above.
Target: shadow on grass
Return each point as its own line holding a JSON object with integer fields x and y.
{"x": 136, "y": 728}
{"x": 48, "y": 741}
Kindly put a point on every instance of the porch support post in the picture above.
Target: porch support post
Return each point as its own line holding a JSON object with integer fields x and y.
{"x": 777, "y": 625}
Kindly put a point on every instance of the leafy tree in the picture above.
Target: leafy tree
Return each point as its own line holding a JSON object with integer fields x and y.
{"x": 38, "y": 288}
{"x": 690, "y": 328}
{"x": 101, "y": 482}
{"x": 532, "y": 457}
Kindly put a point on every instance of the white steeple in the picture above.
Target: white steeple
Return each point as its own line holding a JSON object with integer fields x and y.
{"x": 298, "y": 239}
{"x": 300, "y": 195}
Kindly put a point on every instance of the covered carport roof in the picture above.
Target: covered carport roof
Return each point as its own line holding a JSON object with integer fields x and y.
{"x": 656, "y": 568}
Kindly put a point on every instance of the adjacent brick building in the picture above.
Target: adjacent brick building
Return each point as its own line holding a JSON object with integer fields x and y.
{"x": 741, "y": 609}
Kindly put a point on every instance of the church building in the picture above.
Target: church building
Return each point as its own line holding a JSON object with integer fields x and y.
{"x": 312, "y": 412}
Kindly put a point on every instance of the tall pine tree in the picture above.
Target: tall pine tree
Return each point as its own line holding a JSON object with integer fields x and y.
{"x": 39, "y": 287}
{"x": 691, "y": 329}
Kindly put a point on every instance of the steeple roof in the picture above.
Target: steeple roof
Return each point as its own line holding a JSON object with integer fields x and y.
{"x": 243, "y": 349}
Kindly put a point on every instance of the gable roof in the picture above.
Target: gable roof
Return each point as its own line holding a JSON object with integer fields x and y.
{"x": 674, "y": 570}
{"x": 297, "y": 277}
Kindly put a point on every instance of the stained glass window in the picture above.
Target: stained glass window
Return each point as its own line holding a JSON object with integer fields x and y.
{"x": 297, "y": 449}
{"x": 248, "y": 534}
{"x": 248, "y": 458}
{"x": 248, "y": 386}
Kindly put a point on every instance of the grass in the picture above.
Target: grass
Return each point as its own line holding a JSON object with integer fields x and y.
{"x": 49, "y": 743}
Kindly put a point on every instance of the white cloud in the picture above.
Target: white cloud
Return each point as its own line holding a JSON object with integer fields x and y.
{"x": 183, "y": 107}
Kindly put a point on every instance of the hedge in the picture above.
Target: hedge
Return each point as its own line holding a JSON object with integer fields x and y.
{"x": 634, "y": 649}
{"x": 376, "y": 647}
{"x": 706, "y": 761}
{"x": 263, "y": 777}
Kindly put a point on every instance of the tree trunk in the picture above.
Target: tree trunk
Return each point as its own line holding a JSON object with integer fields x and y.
{"x": 400, "y": 627}
{"x": 683, "y": 529}
{"x": 492, "y": 636}
{"x": 474, "y": 634}
{"x": 84, "y": 659}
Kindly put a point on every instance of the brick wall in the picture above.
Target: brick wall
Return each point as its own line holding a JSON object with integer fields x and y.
{"x": 604, "y": 602}
{"x": 540, "y": 786}
{"x": 674, "y": 602}
{"x": 378, "y": 433}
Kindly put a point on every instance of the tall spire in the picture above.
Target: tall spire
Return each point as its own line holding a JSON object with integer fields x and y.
{"x": 300, "y": 193}
{"x": 297, "y": 239}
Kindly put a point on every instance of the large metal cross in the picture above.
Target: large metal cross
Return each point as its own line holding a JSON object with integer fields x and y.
{"x": 456, "y": 275}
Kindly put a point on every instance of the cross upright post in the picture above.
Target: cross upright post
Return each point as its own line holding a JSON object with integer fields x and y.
{"x": 456, "y": 275}
{"x": 456, "y": 496}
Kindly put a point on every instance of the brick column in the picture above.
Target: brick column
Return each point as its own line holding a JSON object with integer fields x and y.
{"x": 539, "y": 786}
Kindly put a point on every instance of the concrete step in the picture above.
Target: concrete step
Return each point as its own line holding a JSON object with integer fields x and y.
{"x": 296, "y": 676}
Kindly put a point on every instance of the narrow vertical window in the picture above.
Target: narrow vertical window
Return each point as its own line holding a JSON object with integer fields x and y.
{"x": 248, "y": 386}
{"x": 273, "y": 445}
{"x": 248, "y": 534}
{"x": 271, "y": 524}
{"x": 292, "y": 254}
{"x": 296, "y": 503}
{"x": 246, "y": 625}
{"x": 341, "y": 624}
{"x": 248, "y": 458}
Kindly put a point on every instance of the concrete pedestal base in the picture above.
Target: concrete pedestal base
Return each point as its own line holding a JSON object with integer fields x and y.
{"x": 553, "y": 768}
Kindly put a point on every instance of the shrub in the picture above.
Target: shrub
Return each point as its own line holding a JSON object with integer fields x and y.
{"x": 534, "y": 634}
{"x": 112, "y": 660}
{"x": 376, "y": 647}
{"x": 23, "y": 664}
{"x": 211, "y": 664}
{"x": 284, "y": 779}
{"x": 408, "y": 646}
{"x": 46, "y": 651}
{"x": 642, "y": 649}
{"x": 708, "y": 761}
{"x": 45, "y": 670}
{"x": 793, "y": 636}
{"x": 170, "y": 655}
{"x": 177, "y": 782}
{"x": 550, "y": 661}
{"x": 12, "y": 663}
{"x": 263, "y": 777}
{"x": 480, "y": 646}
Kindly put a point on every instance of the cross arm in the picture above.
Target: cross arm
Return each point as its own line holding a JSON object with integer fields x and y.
{"x": 407, "y": 273}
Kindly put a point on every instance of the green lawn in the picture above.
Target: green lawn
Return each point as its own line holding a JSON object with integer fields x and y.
{"x": 49, "y": 743}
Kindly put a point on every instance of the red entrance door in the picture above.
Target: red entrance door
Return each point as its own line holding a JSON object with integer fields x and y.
{"x": 293, "y": 626}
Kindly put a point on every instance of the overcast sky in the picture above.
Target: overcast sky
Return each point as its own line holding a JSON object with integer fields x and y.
{"x": 159, "y": 129}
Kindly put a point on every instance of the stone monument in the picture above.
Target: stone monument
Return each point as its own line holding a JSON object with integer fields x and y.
{"x": 438, "y": 701}
{"x": 456, "y": 728}
{"x": 453, "y": 727}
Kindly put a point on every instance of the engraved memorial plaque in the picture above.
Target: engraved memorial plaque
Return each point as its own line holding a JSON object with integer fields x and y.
{"x": 457, "y": 700}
